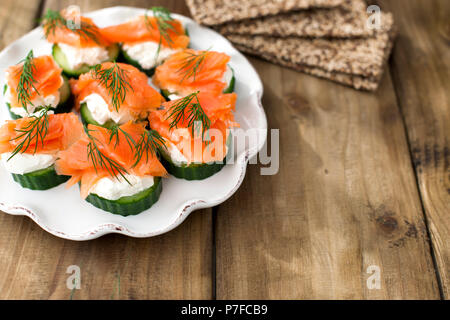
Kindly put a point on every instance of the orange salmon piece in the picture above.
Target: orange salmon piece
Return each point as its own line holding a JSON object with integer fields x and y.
{"x": 47, "y": 76}
{"x": 140, "y": 97}
{"x": 75, "y": 162}
{"x": 178, "y": 72}
{"x": 91, "y": 37}
{"x": 219, "y": 110}
{"x": 63, "y": 130}
{"x": 145, "y": 28}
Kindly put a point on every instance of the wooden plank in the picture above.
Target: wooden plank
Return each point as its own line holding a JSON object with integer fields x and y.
{"x": 421, "y": 75}
{"x": 16, "y": 18}
{"x": 176, "y": 265}
{"x": 345, "y": 199}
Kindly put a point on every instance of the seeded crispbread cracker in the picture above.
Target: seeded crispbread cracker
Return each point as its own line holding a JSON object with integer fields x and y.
{"x": 214, "y": 12}
{"x": 357, "y": 82}
{"x": 333, "y": 71}
{"x": 359, "y": 56}
{"x": 346, "y": 21}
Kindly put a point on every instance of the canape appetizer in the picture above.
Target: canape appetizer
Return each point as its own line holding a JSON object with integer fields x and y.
{"x": 78, "y": 44}
{"x": 29, "y": 147}
{"x": 114, "y": 93}
{"x": 189, "y": 71}
{"x": 195, "y": 131}
{"x": 34, "y": 83}
{"x": 117, "y": 169}
{"x": 146, "y": 41}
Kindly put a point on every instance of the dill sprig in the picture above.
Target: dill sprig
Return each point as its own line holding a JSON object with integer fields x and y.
{"x": 34, "y": 131}
{"x": 189, "y": 108}
{"x": 115, "y": 130}
{"x": 53, "y": 20}
{"x": 101, "y": 160}
{"x": 150, "y": 142}
{"x": 26, "y": 81}
{"x": 116, "y": 80}
{"x": 192, "y": 64}
{"x": 163, "y": 19}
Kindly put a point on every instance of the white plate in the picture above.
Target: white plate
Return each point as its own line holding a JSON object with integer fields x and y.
{"x": 63, "y": 213}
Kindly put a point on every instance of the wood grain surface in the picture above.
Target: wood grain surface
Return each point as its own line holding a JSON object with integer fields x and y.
{"x": 363, "y": 187}
{"x": 177, "y": 265}
{"x": 345, "y": 199}
{"x": 421, "y": 73}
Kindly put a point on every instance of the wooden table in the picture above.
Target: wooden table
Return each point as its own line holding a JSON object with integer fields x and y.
{"x": 363, "y": 186}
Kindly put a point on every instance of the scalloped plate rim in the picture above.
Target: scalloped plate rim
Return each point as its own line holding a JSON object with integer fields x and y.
{"x": 187, "y": 208}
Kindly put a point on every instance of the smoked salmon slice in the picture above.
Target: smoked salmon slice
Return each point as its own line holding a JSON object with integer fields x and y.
{"x": 139, "y": 99}
{"x": 146, "y": 28}
{"x": 62, "y": 131}
{"x": 190, "y": 70}
{"x": 72, "y": 29}
{"x": 219, "y": 110}
{"x": 75, "y": 161}
{"x": 46, "y": 74}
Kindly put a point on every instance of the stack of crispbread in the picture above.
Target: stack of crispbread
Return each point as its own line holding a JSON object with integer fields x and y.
{"x": 325, "y": 38}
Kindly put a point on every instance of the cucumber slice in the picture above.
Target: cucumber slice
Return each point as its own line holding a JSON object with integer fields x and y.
{"x": 134, "y": 63}
{"x": 231, "y": 85}
{"x": 64, "y": 91}
{"x": 131, "y": 205}
{"x": 61, "y": 60}
{"x": 86, "y": 117}
{"x": 65, "y": 100}
{"x": 12, "y": 114}
{"x": 193, "y": 171}
{"x": 41, "y": 179}
{"x": 165, "y": 93}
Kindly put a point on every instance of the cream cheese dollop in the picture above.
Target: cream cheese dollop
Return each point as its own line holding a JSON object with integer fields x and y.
{"x": 51, "y": 101}
{"x": 175, "y": 154}
{"x": 226, "y": 78}
{"x": 146, "y": 53}
{"x": 100, "y": 111}
{"x": 23, "y": 163}
{"x": 76, "y": 57}
{"x": 115, "y": 188}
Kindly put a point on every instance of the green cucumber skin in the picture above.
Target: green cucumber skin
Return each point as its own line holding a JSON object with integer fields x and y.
{"x": 40, "y": 180}
{"x": 61, "y": 60}
{"x": 131, "y": 205}
{"x": 127, "y": 59}
{"x": 65, "y": 91}
{"x": 12, "y": 114}
{"x": 193, "y": 171}
{"x": 64, "y": 106}
{"x": 165, "y": 93}
{"x": 67, "y": 99}
{"x": 230, "y": 88}
{"x": 86, "y": 117}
